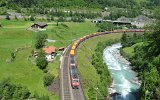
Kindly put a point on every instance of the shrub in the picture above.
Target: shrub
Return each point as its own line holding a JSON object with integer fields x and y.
{"x": 13, "y": 56}
{"x": 32, "y": 18}
{"x": 45, "y": 70}
{"x": 48, "y": 79}
{"x": 8, "y": 17}
{"x": 40, "y": 40}
{"x": 41, "y": 61}
{"x": 9, "y": 91}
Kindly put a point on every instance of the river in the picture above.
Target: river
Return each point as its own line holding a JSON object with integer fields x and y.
{"x": 125, "y": 81}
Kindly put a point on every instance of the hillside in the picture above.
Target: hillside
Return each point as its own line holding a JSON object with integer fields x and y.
{"x": 76, "y": 3}
{"x": 144, "y": 54}
{"x": 22, "y": 70}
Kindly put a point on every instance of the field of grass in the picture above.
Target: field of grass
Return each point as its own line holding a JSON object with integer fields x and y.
{"x": 87, "y": 71}
{"x": 128, "y": 52}
{"x": 66, "y": 32}
{"x": 14, "y": 34}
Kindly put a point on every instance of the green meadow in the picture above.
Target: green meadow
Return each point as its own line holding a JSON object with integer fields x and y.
{"x": 128, "y": 52}
{"x": 14, "y": 34}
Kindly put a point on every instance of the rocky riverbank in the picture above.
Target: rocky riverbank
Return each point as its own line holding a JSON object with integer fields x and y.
{"x": 125, "y": 80}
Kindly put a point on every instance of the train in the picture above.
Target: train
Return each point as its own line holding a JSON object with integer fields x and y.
{"x": 74, "y": 76}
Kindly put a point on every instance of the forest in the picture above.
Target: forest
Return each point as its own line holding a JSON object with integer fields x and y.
{"x": 53, "y": 8}
{"x": 15, "y": 4}
{"x": 146, "y": 58}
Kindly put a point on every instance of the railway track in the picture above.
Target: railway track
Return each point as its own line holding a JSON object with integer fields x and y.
{"x": 67, "y": 93}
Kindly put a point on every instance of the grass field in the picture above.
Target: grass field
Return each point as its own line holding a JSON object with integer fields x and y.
{"x": 14, "y": 34}
{"x": 66, "y": 32}
{"x": 87, "y": 71}
{"x": 128, "y": 52}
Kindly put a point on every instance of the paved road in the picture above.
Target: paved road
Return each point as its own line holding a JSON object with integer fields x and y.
{"x": 67, "y": 93}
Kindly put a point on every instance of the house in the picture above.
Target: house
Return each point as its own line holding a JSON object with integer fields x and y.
{"x": 118, "y": 23}
{"x": 50, "y": 52}
{"x": 39, "y": 25}
{"x": 97, "y": 20}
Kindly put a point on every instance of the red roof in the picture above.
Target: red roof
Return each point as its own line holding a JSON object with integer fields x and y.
{"x": 50, "y": 50}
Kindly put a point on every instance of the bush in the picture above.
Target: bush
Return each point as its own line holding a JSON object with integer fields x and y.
{"x": 10, "y": 91}
{"x": 21, "y": 92}
{"x": 48, "y": 79}
{"x": 45, "y": 70}
{"x": 41, "y": 61}
{"x": 32, "y": 18}
{"x": 40, "y": 40}
{"x": 105, "y": 26}
{"x": 38, "y": 97}
{"x": 13, "y": 56}
{"x": 8, "y": 17}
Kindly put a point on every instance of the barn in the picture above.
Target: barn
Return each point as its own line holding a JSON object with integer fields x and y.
{"x": 39, "y": 25}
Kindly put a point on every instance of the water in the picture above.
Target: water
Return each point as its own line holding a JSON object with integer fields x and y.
{"x": 124, "y": 79}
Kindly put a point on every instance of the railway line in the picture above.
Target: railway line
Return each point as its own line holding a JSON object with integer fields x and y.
{"x": 66, "y": 87}
{"x": 67, "y": 93}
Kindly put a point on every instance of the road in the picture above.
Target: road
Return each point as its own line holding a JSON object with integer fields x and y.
{"x": 66, "y": 91}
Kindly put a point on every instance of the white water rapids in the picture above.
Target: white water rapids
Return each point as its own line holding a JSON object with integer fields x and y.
{"x": 124, "y": 79}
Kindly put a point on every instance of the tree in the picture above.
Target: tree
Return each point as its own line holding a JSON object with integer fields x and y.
{"x": 57, "y": 23}
{"x": 52, "y": 18}
{"x": 61, "y": 19}
{"x": 7, "y": 17}
{"x": 48, "y": 79}
{"x": 13, "y": 56}
{"x": 105, "y": 26}
{"x": 154, "y": 37}
{"x": 48, "y": 18}
{"x": 41, "y": 61}
{"x": 21, "y": 93}
{"x": 25, "y": 19}
{"x": 32, "y": 18}
{"x": 15, "y": 17}
{"x": 9, "y": 91}
{"x": 40, "y": 40}
{"x": 146, "y": 60}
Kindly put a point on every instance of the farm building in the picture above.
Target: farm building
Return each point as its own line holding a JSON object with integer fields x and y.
{"x": 39, "y": 25}
{"x": 97, "y": 20}
{"x": 118, "y": 23}
{"x": 50, "y": 52}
